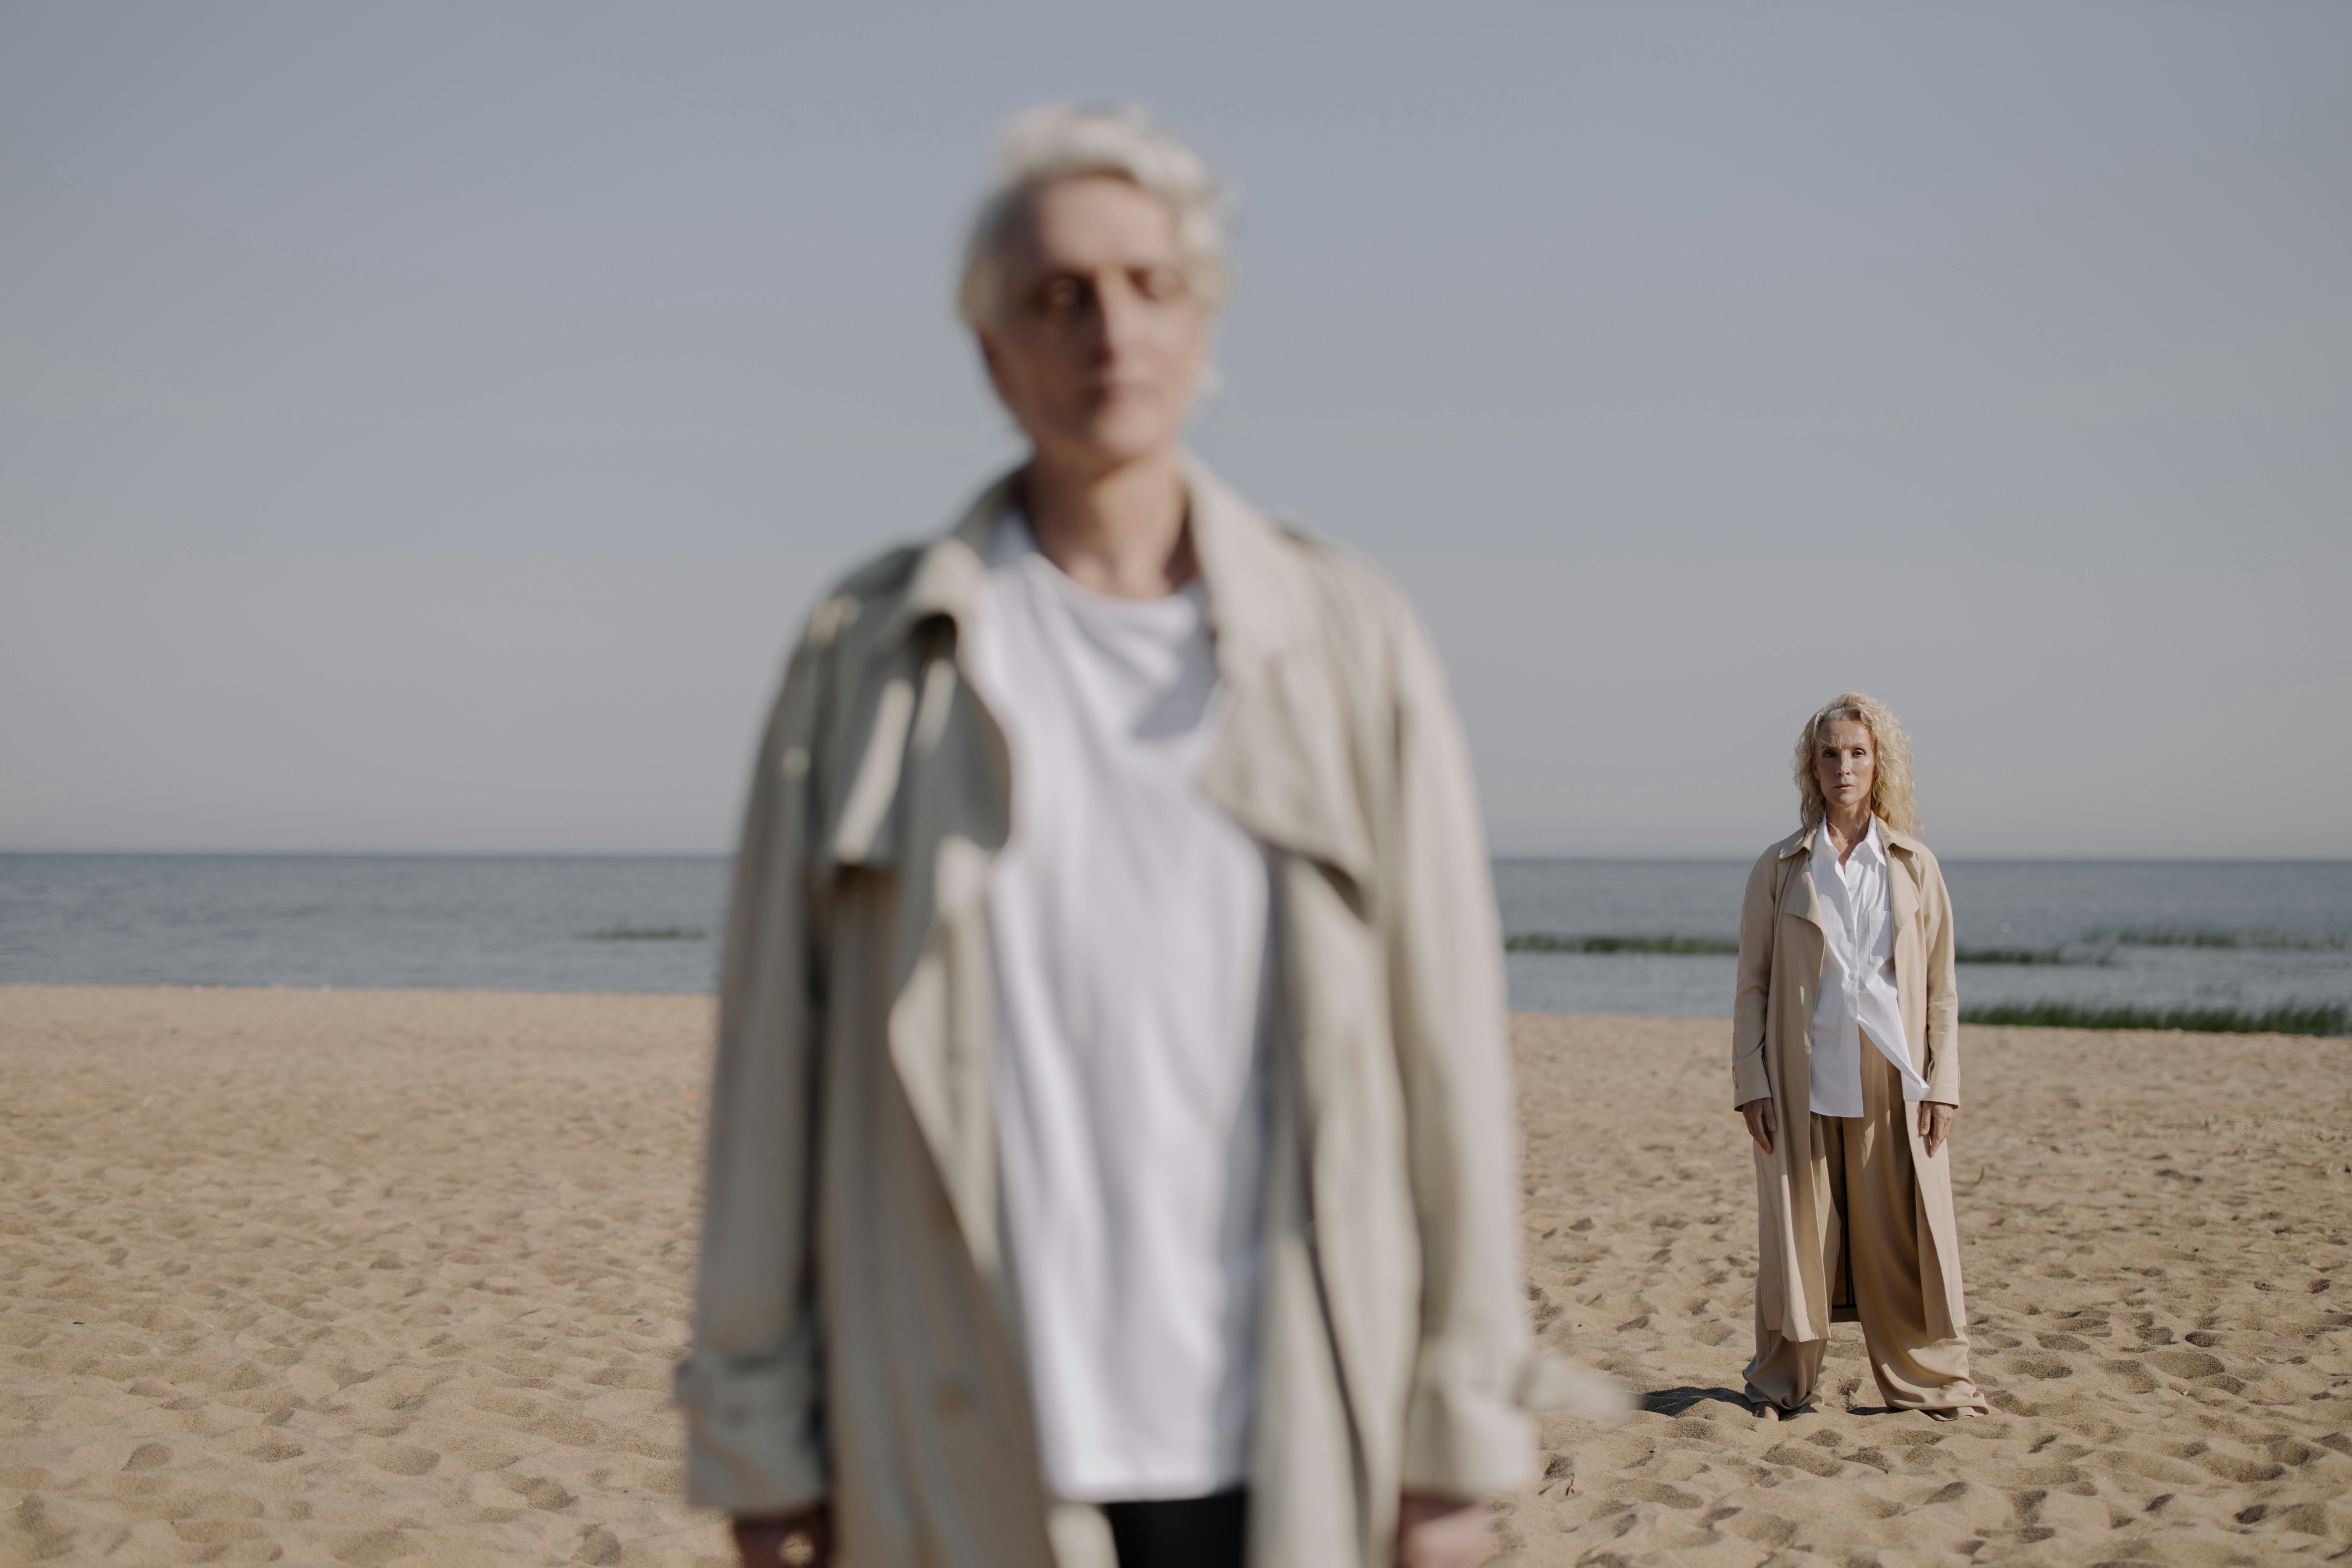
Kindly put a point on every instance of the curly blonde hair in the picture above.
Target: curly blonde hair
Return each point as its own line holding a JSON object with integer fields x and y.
{"x": 1890, "y": 789}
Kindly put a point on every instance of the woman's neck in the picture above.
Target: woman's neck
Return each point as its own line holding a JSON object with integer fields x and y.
{"x": 1119, "y": 530}
{"x": 1847, "y": 829}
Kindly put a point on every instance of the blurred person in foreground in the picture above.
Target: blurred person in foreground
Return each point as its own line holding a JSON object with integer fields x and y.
{"x": 1113, "y": 1156}
{"x": 1845, "y": 1062}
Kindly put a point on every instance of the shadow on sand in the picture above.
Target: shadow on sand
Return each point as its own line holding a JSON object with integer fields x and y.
{"x": 1675, "y": 1401}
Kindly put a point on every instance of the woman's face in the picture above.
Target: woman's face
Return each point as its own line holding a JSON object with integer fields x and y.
{"x": 1845, "y": 763}
{"x": 1103, "y": 343}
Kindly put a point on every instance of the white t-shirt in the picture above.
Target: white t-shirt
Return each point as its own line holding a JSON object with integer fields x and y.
{"x": 1857, "y": 995}
{"x": 1130, "y": 923}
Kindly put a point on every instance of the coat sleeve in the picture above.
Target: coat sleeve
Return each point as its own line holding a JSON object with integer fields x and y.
{"x": 1759, "y": 920}
{"x": 752, "y": 1384}
{"x": 1943, "y": 994}
{"x": 1466, "y": 1431}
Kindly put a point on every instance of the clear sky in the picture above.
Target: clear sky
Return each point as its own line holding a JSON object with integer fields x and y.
{"x": 424, "y": 426}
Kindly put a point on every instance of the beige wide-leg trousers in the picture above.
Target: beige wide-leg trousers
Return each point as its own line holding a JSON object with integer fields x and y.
{"x": 1870, "y": 1257}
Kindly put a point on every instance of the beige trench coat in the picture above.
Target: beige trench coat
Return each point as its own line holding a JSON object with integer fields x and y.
{"x": 855, "y": 1334}
{"x": 1781, "y": 948}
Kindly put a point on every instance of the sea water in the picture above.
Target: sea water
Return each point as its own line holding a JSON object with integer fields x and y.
{"x": 2156, "y": 934}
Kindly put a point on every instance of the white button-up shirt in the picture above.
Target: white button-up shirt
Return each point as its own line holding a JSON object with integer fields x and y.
{"x": 1857, "y": 993}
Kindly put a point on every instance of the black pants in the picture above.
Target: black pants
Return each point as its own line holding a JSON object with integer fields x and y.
{"x": 1180, "y": 1533}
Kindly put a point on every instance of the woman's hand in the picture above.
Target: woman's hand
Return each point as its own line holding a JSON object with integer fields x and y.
{"x": 803, "y": 1540}
{"x": 1441, "y": 1533}
{"x": 1935, "y": 1122}
{"x": 1762, "y": 1124}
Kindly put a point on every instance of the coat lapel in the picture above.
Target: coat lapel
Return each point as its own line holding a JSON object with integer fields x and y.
{"x": 1902, "y": 902}
{"x": 1797, "y": 895}
{"x": 1283, "y": 766}
{"x": 947, "y": 582}
{"x": 925, "y": 795}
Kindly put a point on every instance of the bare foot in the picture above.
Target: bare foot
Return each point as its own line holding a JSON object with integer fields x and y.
{"x": 1965, "y": 1413}
{"x": 1765, "y": 1411}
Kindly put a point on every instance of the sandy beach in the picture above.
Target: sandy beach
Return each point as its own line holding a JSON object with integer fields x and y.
{"x": 398, "y": 1276}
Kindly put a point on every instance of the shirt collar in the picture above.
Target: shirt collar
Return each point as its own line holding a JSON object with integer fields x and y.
{"x": 1871, "y": 847}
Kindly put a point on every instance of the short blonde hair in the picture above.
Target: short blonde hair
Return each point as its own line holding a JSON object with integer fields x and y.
{"x": 1890, "y": 789}
{"x": 1058, "y": 140}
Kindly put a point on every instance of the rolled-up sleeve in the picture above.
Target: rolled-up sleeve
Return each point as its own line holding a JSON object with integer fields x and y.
{"x": 1466, "y": 1431}
{"x": 1751, "y": 1077}
{"x": 752, "y": 1385}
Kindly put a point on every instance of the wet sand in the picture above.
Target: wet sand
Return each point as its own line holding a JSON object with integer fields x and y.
{"x": 367, "y": 1276}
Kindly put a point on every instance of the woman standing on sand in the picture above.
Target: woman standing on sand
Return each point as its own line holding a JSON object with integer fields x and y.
{"x": 1847, "y": 1019}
